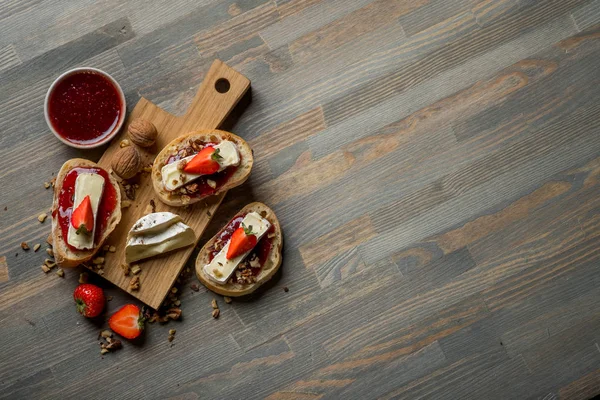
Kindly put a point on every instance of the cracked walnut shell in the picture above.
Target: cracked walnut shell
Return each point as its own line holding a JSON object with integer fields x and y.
{"x": 126, "y": 162}
{"x": 142, "y": 132}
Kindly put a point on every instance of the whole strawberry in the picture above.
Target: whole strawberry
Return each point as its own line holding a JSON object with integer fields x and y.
{"x": 89, "y": 299}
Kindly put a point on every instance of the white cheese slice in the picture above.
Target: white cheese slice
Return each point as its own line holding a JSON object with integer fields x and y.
{"x": 220, "y": 268}
{"x": 173, "y": 237}
{"x": 86, "y": 184}
{"x": 172, "y": 177}
{"x": 154, "y": 223}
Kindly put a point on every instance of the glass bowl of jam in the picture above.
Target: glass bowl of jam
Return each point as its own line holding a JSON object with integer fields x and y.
{"x": 85, "y": 108}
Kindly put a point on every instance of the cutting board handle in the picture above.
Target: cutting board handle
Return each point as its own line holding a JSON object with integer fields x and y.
{"x": 218, "y": 94}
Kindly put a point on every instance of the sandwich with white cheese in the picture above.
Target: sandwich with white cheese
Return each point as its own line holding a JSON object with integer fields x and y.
{"x": 244, "y": 254}
{"x": 200, "y": 164}
{"x": 85, "y": 210}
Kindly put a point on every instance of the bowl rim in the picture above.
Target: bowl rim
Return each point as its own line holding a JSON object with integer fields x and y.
{"x": 105, "y": 139}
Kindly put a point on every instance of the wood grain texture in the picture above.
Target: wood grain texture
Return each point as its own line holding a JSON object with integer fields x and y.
{"x": 434, "y": 164}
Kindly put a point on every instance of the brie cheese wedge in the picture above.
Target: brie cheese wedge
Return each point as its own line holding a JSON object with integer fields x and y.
{"x": 155, "y": 234}
{"x": 86, "y": 184}
{"x": 220, "y": 269}
{"x": 154, "y": 223}
{"x": 173, "y": 178}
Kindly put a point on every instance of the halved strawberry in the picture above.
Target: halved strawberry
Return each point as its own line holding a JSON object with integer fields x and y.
{"x": 205, "y": 162}
{"x": 128, "y": 321}
{"x": 82, "y": 218}
{"x": 241, "y": 241}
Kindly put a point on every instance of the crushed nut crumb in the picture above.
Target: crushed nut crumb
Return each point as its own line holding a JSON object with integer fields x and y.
{"x": 135, "y": 269}
{"x": 42, "y": 217}
{"x": 214, "y": 304}
{"x": 125, "y": 203}
{"x": 24, "y": 246}
{"x": 112, "y": 249}
{"x": 227, "y": 299}
{"x": 285, "y": 289}
{"x": 47, "y": 185}
{"x": 98, "y": 261}
{"x": 173, "y": 290}
{"x": 36, "y": 247}
{"x": 45, "y": 269}
{"x": 215, "y": 313}
{"x": 134, "y": 284}
{"x": 60, "y": 273}
{"x": 105, "y": 247}
{"x": 171, "y": 338}
{"x": 172, "y": 331}
{"x": 83, "y": 277}
{"x": 194, "y": 287}
{"x": 50, "y": 252}
{"x": 211, "y": 183}
{"x": 124, "y": 143}
{"x": 126, "y": 269}
{"x": 106, "y": 334}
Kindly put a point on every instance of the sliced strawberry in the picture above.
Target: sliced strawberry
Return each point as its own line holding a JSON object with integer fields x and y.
{"x": 128, "y": 321}
{"x": 82, "y": 218}
{"x": 205, "y": 162}
{"x": 242, "y": 240}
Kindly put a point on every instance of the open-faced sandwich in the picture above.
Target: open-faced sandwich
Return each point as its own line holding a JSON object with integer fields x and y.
{"x": 244, "y": 254}
{"x": 85, "y": 210}
{"x": 200, "y": 164}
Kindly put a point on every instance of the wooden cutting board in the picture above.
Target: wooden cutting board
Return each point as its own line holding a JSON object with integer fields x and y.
{"x": 220, "y": 91}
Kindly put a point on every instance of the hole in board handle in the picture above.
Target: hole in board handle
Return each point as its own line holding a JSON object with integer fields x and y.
{"x": 222, "y": 85}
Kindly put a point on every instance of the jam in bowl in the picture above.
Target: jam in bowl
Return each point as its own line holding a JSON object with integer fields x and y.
{"x": 85, "y": 107}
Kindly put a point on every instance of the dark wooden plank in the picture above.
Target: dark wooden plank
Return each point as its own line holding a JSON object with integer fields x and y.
{"x": 434, "y": 165}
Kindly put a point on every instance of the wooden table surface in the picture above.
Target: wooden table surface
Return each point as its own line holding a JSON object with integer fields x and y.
{"x": 435, "y": 165}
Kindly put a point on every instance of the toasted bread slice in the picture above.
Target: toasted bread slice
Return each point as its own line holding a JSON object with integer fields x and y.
{"x": 269, "y": 268}
{"x": 176, "y": 198}
{"x": 64, "y": 256}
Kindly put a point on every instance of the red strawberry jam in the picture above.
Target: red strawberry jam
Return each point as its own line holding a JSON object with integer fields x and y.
{"x": 107, "y": 205}
{"x": 84, "y": 107}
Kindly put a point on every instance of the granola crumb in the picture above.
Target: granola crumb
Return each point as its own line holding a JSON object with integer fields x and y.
{"x": 42, "y": 217}
{"x": 214, "y": 304}
{"x": 104, "y": 351}
{"x": 50, "y": 252}
{"x": 227, "y": 299}
{"x": 126, "y": 269}
{"x": 45, "y": 269}
{"x": 60, "y": 273}
{"x": 24, "y": 246}
{"x": 47, "y": 185}
{"x": 36, "y": 247}
{"x": 106, "y": 333}
{"x": 215, "y": 313}
{"x": 135, "y": 269}
{"x": 172, "y": 331}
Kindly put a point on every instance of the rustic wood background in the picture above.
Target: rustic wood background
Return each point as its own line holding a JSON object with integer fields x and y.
{"x": 435, "y": 165}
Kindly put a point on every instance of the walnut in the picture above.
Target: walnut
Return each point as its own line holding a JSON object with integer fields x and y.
{"x": 142, "y": 132}
{"x": 126, "y": 162}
